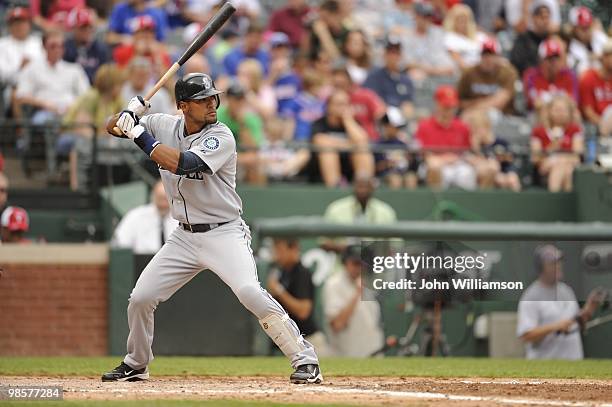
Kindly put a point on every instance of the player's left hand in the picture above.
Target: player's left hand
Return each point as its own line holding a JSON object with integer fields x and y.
{"x": 135, "y": 132}
{"x": 126, "y": 122}
{"x": 139, "y": 106}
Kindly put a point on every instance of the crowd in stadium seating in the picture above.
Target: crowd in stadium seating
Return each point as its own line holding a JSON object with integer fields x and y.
{"x": 435, "y": 92}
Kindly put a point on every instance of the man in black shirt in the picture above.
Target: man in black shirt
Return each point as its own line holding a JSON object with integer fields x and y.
{"x": 524, "y": 54}
{"x": 334, "y": 134}
{"x": 289, "y": 282}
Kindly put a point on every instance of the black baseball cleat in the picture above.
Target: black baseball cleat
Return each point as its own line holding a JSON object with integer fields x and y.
{"x": 306, "y": 374}
{"x": 124, "y": 373}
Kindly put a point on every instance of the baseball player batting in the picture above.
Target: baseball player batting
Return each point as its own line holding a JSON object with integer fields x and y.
{"x": 196, "y": 155}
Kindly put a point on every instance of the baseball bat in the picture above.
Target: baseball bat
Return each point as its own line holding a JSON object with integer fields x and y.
{"x": 213, "y": 25}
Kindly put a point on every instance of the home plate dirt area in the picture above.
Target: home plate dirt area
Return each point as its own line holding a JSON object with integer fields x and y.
{"x": 350, "y": 390}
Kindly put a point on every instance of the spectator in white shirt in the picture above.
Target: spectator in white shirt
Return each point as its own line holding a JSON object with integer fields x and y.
{"x": 518, "y": 13}
{"x": 462, "y": 38}
{"x": 587, "y": 41}
{"x": 354, "y": 324}
{"x": 50, "y": 85}
{"x": 549, "y": 317}
{"x": 145, "y": 228}
{"x": 17, "y": 49}
{"x": 424, "y": 51}
{"x": 139, "y": 75}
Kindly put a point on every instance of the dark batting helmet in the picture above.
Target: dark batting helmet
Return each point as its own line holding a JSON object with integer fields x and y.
{"x": 195, "y": 86}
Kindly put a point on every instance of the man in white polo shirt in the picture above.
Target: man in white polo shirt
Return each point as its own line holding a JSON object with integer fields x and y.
{"x": 145, "y": 228}
{"x": 19, "y": 47}
{"x": 50, "y": 84}
{"x": 353, "y": 318}
{"x": 549, "y": 318}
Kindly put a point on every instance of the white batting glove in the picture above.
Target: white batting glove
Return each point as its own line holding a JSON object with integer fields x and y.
{"x": 126, "y": 122}
{"x": 135, "y": 132}
{"x": 139, "y": 106}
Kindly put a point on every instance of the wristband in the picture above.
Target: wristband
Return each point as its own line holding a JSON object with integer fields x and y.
{"x": 146, "y": 142}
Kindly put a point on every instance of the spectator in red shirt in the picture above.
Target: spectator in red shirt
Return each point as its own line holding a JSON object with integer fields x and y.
{"x": 52, "y": 14}
{"x": 290, "y": 20}
{"x": 143, "y": 44}
{"x": 557, "y": 144}
{"x": 550, "y": 76}
{"x": 596, "y": 89}
{"x": 367, "y": 106}
{"x": 446, "y": 141}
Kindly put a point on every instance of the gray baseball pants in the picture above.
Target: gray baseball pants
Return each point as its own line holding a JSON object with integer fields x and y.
{"x": 226, "y": 250}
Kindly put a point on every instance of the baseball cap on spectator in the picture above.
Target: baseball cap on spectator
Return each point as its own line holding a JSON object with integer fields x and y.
{"x": 144, "y": 22}
{"x": 393, "y": 42}
{"x": 446, "y": 96}
{"x": 549, "y": 48}
{"x": 538, "y": 5}
{"x": 15, "y": 219}
{"x": 1, "y": 162}
{"x": 352, "y": 252}
{"x": 490, "y": 46}
{"x": 79, "y": 17}
{"x": 18, "y": 13}
{"x": 235, "y": 90}
{"x": 580, "y": 17}
{"x": 278, "y": 39}
{"x": 394, "y": 117}
{"x": 424, "y": 9}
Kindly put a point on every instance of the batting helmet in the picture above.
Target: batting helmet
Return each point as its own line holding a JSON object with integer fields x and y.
{"x": 195, "y": 86}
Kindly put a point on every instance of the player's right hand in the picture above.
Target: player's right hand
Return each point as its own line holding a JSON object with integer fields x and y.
{"x": 139, "y": 106}
{"x": 126, "y": 122}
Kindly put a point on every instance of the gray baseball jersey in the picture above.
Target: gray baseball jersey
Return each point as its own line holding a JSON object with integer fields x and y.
{"x": 199, "y": 197}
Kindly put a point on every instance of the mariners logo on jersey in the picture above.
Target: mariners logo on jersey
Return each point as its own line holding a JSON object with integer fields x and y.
{"x": 211, "y": 143}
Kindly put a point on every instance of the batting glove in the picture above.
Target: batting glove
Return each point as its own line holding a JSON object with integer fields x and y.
{"x": 139, "y": 106}
{"x": 136, "y": 132}
{"x": 126, "y": 122}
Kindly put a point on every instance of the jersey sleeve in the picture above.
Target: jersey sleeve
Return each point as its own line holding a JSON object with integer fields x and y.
{"x": 151, "y": 123}
{"x": 215, "y": 148}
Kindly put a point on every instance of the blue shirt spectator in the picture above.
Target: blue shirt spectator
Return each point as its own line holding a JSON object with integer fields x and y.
{"x": 123, "y": 13}
{"x": 250, "y": 48}
{"x": 286, "y": 83}
{"x": 306, "y": 107}
{"x": 287, "y": 88}
{"x": 82, "y": 47}
{"x": 390, "y": 82}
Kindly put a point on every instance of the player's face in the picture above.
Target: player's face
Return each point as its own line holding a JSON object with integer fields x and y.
{"x": 203, "y": 110}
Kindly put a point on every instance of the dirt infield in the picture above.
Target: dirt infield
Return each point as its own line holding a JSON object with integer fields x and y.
{"x": 361, "y": 390}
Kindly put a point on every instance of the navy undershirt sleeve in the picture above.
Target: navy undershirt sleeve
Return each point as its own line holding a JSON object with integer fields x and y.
{"x": 189, "y": 162}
